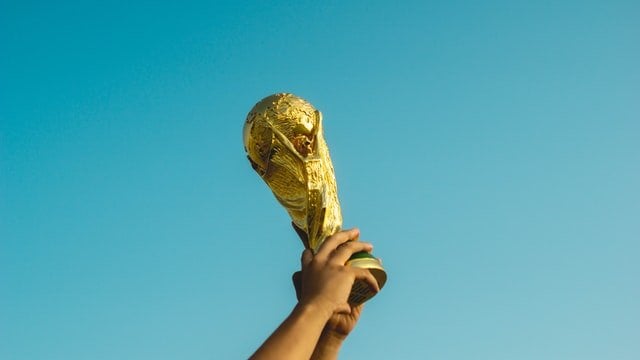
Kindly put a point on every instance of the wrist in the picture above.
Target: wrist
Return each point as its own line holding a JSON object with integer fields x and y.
{"x": 321, "y": 308}
{"x": 331, "y": 339}
{"x": 328, "y": 346}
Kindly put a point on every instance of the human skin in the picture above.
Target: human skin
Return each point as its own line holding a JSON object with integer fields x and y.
{"x": 322, "y": 313}
{"x": 337, "y": 328}
{"x": 335, "y": 332}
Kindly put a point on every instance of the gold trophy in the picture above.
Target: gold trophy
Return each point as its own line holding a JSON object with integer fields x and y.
{"x": 284, "y": 142}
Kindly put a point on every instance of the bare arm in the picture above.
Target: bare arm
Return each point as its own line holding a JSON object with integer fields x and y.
{"x": 335, "y": 332}
{"x": 326, "y": 284}
{"x": 327, "y": 348}
{"x": 297, "y": 336}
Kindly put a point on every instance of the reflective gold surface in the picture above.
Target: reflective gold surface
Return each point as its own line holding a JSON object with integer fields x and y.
{"x": 284, "y": 141}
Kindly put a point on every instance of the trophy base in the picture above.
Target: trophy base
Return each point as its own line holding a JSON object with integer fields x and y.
{"x": 361, "y": 291}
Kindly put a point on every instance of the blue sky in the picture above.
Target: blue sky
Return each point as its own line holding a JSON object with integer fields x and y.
{"x": 489, "y": 150}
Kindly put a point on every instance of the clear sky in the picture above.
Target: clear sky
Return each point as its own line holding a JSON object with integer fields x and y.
{"x": 490, "y": 150}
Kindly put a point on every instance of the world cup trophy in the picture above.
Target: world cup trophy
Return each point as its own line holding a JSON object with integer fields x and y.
{"x": 284, "y": 141}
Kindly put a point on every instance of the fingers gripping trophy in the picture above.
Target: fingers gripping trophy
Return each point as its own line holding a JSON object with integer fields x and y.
{"x": 284, "y": 141}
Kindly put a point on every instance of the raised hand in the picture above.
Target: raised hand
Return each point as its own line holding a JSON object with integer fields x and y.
{"x": 323, "y": 308}
{"x": 334, "y": 253}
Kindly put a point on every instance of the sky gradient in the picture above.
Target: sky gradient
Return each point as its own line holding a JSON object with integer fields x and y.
{"x": 489, "y": 150}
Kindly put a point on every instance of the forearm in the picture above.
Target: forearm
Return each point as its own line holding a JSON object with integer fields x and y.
{"x": 328, "y": 346}
{"x": 297, "y": 336}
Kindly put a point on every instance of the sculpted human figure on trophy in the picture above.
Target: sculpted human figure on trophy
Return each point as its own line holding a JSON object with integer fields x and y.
{"x": 285, "y": 145}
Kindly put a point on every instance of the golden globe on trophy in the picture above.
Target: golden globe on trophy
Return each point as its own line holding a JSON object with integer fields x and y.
{"x": 284, "y": 141}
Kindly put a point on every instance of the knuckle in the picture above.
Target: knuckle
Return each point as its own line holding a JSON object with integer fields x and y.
{"x": 315, "y": 263}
